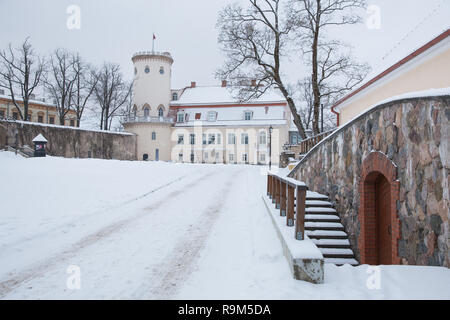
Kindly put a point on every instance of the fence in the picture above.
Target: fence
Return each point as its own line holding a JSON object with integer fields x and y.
{"x": 289, "y": 195}
{"x": 309, "y": 143}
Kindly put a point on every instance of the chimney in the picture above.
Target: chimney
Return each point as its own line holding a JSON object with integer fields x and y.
{"x": 193, "y": 84}
{"x": 224, "y": 83}
{"x": 253, "y": 83}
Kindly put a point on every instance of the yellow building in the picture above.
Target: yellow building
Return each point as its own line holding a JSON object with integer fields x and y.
{"x": 426, "y": 68}
{"x": 38, "y": 111}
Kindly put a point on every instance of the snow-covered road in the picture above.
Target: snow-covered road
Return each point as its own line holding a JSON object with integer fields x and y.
{"x": 160, "y": 231}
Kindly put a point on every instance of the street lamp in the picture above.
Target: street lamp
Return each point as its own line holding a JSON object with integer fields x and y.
{"x": 270, "y": 147}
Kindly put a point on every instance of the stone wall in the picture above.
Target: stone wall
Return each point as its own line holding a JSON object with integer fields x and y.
{"x": 412, "y": 136}
{"x": 70, "y": 142}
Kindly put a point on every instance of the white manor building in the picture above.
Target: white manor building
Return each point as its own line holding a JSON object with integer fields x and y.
{"x": 201, "y": 124}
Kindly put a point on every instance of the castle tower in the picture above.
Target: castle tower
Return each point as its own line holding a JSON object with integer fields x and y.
{"x": 151, "y": 98}
{"x": 151, "y": 87}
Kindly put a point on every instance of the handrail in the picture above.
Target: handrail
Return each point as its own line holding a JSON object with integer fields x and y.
{"x": 309, "y": 143}
{"x": 289, "y": 195}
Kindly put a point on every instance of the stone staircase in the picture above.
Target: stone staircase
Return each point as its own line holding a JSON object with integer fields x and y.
{"x": 323, "y": 226}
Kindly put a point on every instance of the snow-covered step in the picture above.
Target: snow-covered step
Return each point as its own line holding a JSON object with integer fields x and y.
{"x": 342, "y": 261}
{"x": 337, "y": 252}
{"x": 318, "y": 203}
{"x": 324, "y": 226}
{"x": 321, "y": 218}
{"x": 335, "y": 243}
{"x": 311, "y": 195}
{"x": 326, "y": 234}
{"x": 322, "y": 210}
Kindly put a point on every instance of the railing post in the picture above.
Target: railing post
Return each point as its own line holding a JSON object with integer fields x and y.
{"x": 282, "y": 198}
{"x": 300, "y": 214}
{"x": 277, "y": 195}
{"x": 290, "y": 206}
{"x": 269, "y": 184}
{"x": 274, "y": 189}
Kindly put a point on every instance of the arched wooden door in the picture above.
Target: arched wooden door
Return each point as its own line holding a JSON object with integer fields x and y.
{"x": 379, "y": 224}
{"x": 383, "y": 220}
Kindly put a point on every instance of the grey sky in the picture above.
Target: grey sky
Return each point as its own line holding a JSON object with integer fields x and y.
{"x": 112, "y": 30}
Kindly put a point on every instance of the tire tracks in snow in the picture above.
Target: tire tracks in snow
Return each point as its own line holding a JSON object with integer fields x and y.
{"x": 40, "y": 268}
{"x": 89, "y": 216}
{"x": 180, "y": 262}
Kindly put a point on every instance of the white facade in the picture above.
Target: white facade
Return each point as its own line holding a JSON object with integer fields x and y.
{"x": 201, "y": 124}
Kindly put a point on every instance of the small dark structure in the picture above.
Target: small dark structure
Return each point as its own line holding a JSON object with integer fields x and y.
{"x": 39, "y": 145}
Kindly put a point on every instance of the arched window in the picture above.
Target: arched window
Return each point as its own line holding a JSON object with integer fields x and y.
{"x": 174, "y": 96}
{"x": 134, "y": 111}
{"x": 160, "y": 112}
{"x": 146, "y": 112}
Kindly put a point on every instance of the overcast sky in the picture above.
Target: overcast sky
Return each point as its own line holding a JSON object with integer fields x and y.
{"x": 112, "y": 30}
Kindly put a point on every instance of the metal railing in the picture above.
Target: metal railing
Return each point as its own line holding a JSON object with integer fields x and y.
{"x": 152, "y": 53}
{"x": 132, "y": 118}
{"x": 289, "y": 195}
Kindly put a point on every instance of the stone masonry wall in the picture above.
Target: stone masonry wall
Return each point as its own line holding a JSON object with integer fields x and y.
{"x": 414, "y": 134}
{"x": 70, "y": 142}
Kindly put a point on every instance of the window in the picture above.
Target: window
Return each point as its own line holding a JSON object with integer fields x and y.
{"x": 262, "y": 137}
{"x": 198, "y": 116}
{"x": 217, "y": 156}
{"x": 180, "y": 139}
{"x": 174, "y": 96}
{"x": 180, "y": 117}
{"x": 51, "y": 120}
{"x": 2, "y": 113}
{"x": 134, "y": 111}
{"x": 15, "y": 115}
{"x": 146, "y": 112}
{"x": 211, "y": 138}
{"x": 40, "y": 119}
{"x": 219, "y": 138}
{"x": 147, "y": 69}
{"x": 244, "y": 157}
{"x": 248, "y": 115}
{"x": 204, "y": 138}
{"x": 161, "y": 70}
{"x": 231, "y": 138}
{"x": 160, "y": 112}
{"x": 72, "y": 123}
{"x": 192, "y": 157}
{"x": 262, "y": 157}
{"x": 231, "y": 157}
{"x": 212, "y": 115}
{"x": 206, "y": 156}
{"x": 244, "y": 138}
{"x": 192, "y": 138}
{"x": 153, "y": 135}
{"x": 180, "y": 157}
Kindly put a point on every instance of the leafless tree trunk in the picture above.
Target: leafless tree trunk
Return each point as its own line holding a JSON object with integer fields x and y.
{"x": 333, "y": 72}
{"x": 111, "y": 93}
{"x": 253, "y": 40}
{"x": 86, "y": 79}
{"x": 60, "y": 82}
{"x": 21, "y": 72}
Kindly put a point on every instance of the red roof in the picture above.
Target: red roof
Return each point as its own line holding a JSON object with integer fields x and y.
{"x": 419, "y": 51}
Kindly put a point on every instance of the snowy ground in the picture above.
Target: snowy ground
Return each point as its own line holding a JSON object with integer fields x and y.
{"x": 148, "y": 230}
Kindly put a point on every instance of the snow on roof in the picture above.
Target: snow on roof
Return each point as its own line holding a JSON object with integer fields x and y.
{"x": 395, "y": 59}
{"x": 39, "y": 138}
{"x": 229, "y": 116}
{"x": 33, "y": 101}
{"x": 209, "y": 95}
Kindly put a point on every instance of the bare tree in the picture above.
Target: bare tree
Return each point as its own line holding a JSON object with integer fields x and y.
{"x": 60, "y": 82}
{"x": 21, "y": 72}
{"x": 253, "y": 40}
{"x": 86, "y": 79}
{"x": 111, "y": 93}
{"x": 333, "y": 72}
